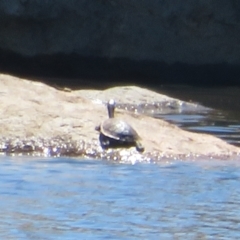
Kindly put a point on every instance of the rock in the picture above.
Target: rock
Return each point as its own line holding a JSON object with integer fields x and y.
{"x": 37, "y": 119}
{"x": 184, "y": 39}
{"x": 187, "y": 32}
{"x": 142, "y": 100}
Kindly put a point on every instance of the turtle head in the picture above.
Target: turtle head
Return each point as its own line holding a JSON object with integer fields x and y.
{"x": 111, "y": 106}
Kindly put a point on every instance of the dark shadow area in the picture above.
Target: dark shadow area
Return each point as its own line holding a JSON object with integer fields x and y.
{"x": 109, "y": 142}
{"x": 83, "y": 72}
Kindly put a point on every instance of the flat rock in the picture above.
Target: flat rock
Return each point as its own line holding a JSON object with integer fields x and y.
{"x": 37, "y": 119}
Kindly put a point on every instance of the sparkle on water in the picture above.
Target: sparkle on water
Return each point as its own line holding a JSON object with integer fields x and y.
{"x": 66, "y": 198}
{"x": 213, "y": 122}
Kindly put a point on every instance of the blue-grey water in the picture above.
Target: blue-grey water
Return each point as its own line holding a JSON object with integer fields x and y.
{"x": 223, "y": 121}
{"x": 216, "y": 122}
{"x": 67, "y": 198}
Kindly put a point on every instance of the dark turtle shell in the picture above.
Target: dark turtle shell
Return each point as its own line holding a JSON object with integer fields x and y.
{"x": 119, "y": 132}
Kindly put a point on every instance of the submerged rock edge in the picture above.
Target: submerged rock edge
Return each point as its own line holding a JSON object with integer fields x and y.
{"x": 62, "y": 147}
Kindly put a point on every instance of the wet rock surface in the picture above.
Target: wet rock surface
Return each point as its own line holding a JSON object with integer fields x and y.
{"x": 37, "y": 119}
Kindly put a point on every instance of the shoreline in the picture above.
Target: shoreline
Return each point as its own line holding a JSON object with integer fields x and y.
{"x": 62, "y": 123}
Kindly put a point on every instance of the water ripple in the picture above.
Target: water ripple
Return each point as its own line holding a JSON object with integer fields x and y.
{"x": 63, "y": 198}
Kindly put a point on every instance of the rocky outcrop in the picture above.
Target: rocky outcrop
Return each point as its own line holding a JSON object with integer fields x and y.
{"x": 194, "y": 32}
{"x": 126, "y": 37}
{"x": 40, "y": 120}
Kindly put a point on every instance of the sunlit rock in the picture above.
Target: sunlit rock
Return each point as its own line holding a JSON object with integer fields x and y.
{"x": 38, "y": 119}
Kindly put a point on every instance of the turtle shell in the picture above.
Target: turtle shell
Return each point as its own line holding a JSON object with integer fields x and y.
{"x": 119, "y": 130}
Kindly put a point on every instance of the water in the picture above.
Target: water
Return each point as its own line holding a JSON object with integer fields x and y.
{"x": 224, "y": 119}
{"x": 215, "y": 122}
{"x": 64, "y": 198}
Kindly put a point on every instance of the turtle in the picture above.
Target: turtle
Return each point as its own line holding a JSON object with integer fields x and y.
{"x": 115, "y": 132}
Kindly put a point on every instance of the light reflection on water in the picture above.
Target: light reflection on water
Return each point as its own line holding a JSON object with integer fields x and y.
{"x": 215, "y": 123}
{"x": 64, "y": 198}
